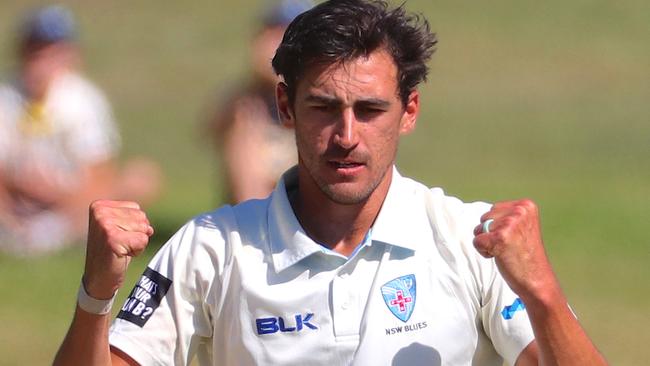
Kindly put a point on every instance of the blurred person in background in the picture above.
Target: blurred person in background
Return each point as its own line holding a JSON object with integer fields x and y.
{"x": 254, "y": 147}
{"x": 58, "y": 142}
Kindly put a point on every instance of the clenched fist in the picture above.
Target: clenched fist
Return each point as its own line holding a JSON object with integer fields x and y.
{"x": 514, "y": 239}
{"x": 117, "y": 231}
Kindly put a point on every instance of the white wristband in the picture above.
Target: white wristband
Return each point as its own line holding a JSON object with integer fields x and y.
{"x": 91, "y": 305}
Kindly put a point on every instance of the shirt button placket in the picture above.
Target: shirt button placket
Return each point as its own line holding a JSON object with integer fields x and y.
{"x": 343, "y": 306}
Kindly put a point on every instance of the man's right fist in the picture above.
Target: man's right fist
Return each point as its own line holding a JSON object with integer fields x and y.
{"x": 117, "y": 231}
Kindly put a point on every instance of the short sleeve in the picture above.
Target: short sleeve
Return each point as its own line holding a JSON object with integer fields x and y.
{"x": 166, "y": 319}
{"x": 503, "y": 315}
{"x": 505, "y": 319}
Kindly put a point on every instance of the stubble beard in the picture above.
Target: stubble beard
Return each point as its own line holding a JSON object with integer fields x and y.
{"x": 339, "y": 195}
{"x": 344, "y": 193}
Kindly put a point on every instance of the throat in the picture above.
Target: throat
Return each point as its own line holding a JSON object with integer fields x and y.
{"x": 348, "y": 249}
{"x": 336, "y": 226}
{"x": 340, "y": 228}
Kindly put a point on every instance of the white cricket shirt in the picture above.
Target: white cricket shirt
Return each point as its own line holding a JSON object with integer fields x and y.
{"x": 245, "y": 285}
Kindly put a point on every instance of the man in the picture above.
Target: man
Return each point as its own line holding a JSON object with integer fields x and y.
{"x": 58, "y": 142}
{"x": 57, "y": 139}
{"x": 347, "y": 262}
{"x": 254, "y": 147}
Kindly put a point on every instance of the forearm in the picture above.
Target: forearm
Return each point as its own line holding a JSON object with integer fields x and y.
{"x": 86, "y": 342}
{"x": 117, "y": 230}
{"x": 560, "y": 338}
{"x": 510, "y": 232}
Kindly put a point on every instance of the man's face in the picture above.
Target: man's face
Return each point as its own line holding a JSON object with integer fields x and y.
{"x": 42, "y": 64}
{"x": 348, "y": 119}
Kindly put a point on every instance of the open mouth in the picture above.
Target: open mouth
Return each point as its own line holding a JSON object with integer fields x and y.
{"x": 346, "y": 167}
{"x": 345, "y": 164}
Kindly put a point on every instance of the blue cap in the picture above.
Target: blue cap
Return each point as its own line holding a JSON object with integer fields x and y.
{"x": 284, "y": 11}
{"x": 49, "y": 24}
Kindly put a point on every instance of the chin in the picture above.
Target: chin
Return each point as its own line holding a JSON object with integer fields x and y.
{"x": 343, "y": 195}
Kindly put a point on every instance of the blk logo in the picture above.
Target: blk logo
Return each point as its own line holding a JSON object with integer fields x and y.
{"x": 273, "y": 325}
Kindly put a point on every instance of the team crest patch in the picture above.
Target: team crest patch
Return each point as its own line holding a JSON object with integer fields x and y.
{"x": 399, "y": 296}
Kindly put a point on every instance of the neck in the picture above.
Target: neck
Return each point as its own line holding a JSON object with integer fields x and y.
{"x": 339, "y": 227}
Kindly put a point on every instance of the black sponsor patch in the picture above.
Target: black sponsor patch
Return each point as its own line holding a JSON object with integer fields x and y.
{"x": 145, "y": 297}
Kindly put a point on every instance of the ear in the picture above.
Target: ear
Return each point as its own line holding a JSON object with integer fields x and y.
{"x": 411, "y": 112}
{"x": 285, "y": 112}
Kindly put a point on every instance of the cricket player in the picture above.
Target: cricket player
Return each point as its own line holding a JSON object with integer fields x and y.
{"x": 346, "y": 262}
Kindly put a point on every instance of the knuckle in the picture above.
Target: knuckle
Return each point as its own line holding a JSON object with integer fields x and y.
{"x": 144, "y": 227}
{"x": 95, "y": 208}
{"x": 101, "y": 212}
{"x": 519, "y": 211}
{"x": 97, "y": 203}
{"x": 528, "y": 204}
{"x": 93, "y": 205}
{"x": 131, "y": 204}
{"x": 140, "y": 215}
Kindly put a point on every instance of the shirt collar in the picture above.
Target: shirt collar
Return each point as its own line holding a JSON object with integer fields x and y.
{"x": 396, "y": 224}
{"x": 402, "y": 215}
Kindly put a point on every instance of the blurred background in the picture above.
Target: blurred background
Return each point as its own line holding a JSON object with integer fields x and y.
{"x": 546, "y": 100}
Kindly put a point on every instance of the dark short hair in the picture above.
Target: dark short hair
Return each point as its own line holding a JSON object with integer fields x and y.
{"x": 337, "y": 31}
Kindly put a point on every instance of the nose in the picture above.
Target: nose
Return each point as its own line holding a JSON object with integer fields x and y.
{"x": 346, "y": 134}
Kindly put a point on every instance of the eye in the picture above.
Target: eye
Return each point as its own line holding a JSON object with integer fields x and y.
{"x": 370, "y": 109}
{"x": 321, "y": 107}
{"x": 367, "y": 112}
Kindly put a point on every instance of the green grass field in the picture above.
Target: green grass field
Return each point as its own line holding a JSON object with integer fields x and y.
{"x": 547, "y": 100}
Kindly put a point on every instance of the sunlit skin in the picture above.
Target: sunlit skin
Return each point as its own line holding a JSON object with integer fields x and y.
{"x": 348, "y": 119}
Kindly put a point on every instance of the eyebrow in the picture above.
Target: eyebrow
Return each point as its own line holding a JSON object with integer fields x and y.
{"x": 375, "y": 102}
{"x": 381, "y": 103}
{"x": 322, "y": 99}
